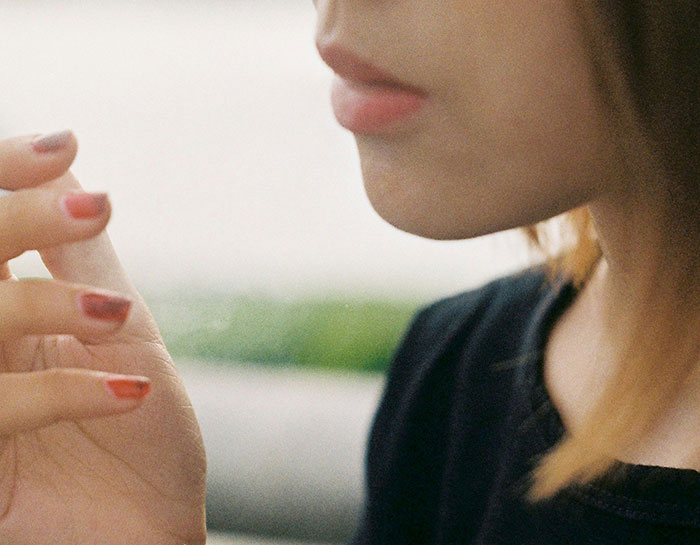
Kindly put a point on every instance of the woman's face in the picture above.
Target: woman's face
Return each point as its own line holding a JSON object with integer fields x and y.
{"x": 510, "y": 129}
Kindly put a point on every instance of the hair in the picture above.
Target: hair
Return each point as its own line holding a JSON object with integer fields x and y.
{"x": 645, "y": 57}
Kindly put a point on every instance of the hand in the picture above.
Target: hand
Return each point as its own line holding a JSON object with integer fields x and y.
{"x": 80, "y": 465}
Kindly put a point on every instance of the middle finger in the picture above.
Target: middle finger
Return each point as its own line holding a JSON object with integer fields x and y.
{"x": 32, "y": 219}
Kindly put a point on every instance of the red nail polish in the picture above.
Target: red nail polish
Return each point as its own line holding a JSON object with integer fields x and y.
{"x": 85, "y": 205}
{"x": 125, "y": 388}
{"x": 105, "y": 307}
{"x": 51, "y": 142}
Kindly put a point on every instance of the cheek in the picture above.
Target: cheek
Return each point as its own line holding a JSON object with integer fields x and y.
{"x": 442, "y": 198}
{"x": 467, "y": 174}
{"x": 502, "y": 145}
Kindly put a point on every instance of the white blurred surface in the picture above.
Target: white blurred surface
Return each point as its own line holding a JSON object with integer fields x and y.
{"x": 239, "y": 539}
{"x": 209, "y": 124}
{"x": 285, "y": 447}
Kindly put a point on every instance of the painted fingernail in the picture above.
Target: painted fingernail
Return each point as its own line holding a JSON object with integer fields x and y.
{"x": 127, "y": 388}
{"x": 51, "y": 142}
{"x": 85, "y": 205}
{"x": 111, "y": 308}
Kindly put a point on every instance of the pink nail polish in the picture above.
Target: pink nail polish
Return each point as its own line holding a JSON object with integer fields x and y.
{"x": 51, "y": 142}
{"x": 126, "y": 388}
{"x": 85, "y": 205}
{"x": 101, "y": 306}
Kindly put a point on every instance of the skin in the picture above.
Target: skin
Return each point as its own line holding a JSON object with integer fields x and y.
{"x": 513, "y": 132}
{"x": 91, "y": 468}
{"x": 516, "y": 132}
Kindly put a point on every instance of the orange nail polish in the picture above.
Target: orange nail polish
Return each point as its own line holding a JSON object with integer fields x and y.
{"x": 105, "y": 307}
{"x": 51, "y": 142}
{"x": 126, "y": 388}
{"x": 85, "y": 205}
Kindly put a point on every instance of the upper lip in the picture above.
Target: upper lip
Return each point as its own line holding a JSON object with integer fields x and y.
{"x": 351, "y": 67}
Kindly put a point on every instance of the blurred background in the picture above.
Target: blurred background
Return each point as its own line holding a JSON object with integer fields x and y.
{"x": 239, "y": 212}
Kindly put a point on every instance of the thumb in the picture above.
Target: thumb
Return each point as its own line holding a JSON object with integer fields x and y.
{"x": 92, "y": 261}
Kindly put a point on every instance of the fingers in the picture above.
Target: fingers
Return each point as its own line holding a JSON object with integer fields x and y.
{"x": 47, "y": 216}
{"x": 43, "y": 307}
{"x": 90, "y": 261}
{"x": 38, "y": 399}
{"x": 74, "y": 249}
{"x": 27, "y": 161}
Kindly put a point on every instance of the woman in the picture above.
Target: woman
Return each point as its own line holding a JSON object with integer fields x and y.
{"x": 529, "y": 412}
{"x": 473, "y": 117}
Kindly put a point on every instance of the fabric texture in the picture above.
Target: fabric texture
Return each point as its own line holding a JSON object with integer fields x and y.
{"x": 465, "y": 415}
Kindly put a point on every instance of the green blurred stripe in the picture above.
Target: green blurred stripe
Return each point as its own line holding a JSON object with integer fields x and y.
{"x": 324, "y": 333}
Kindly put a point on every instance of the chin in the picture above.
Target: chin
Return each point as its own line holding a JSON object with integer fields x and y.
{"x": 426, "y": 199}
{"x": 407, "y": 222}
{"x": 419, "y": 207}
{"x": 423, "y": 217}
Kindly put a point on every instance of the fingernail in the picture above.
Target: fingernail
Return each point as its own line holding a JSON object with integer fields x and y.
{"x": 111, "y": 308}
{"x": 85, "y": 205}
{"x": 51, "y": 142}
{"x": 127, "y": 388}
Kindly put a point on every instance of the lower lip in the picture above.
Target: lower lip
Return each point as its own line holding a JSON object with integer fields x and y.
{"x": 365, "y": 108}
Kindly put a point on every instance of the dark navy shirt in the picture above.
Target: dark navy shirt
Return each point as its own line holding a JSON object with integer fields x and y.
{"x": 464, "y": 416}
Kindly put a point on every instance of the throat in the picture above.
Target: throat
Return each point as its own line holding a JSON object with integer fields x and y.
{"x": 577, "y": 366}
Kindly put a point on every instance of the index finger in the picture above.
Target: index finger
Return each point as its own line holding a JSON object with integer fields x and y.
{"x": 27, "y": 161}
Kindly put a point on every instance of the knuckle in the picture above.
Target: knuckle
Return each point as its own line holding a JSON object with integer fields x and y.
{"x": 67, "y": 182}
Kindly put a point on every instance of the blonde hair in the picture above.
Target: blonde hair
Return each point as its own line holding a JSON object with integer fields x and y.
{"x": 645, "y": 55}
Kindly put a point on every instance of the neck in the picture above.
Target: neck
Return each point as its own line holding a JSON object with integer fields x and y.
{"x": 651, "y": 268}
{"x": 651, "y": 254}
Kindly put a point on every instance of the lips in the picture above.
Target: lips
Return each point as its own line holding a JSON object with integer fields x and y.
{"x": 366, "y": 99}
{"x": 349, "y": 66}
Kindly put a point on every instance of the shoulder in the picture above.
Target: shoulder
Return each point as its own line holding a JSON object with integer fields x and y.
{"x": 438, "y": 398}
{"x": 455, "y": 339}
{"x": 508, "y": 292}
{"x": 501, "y": 307}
